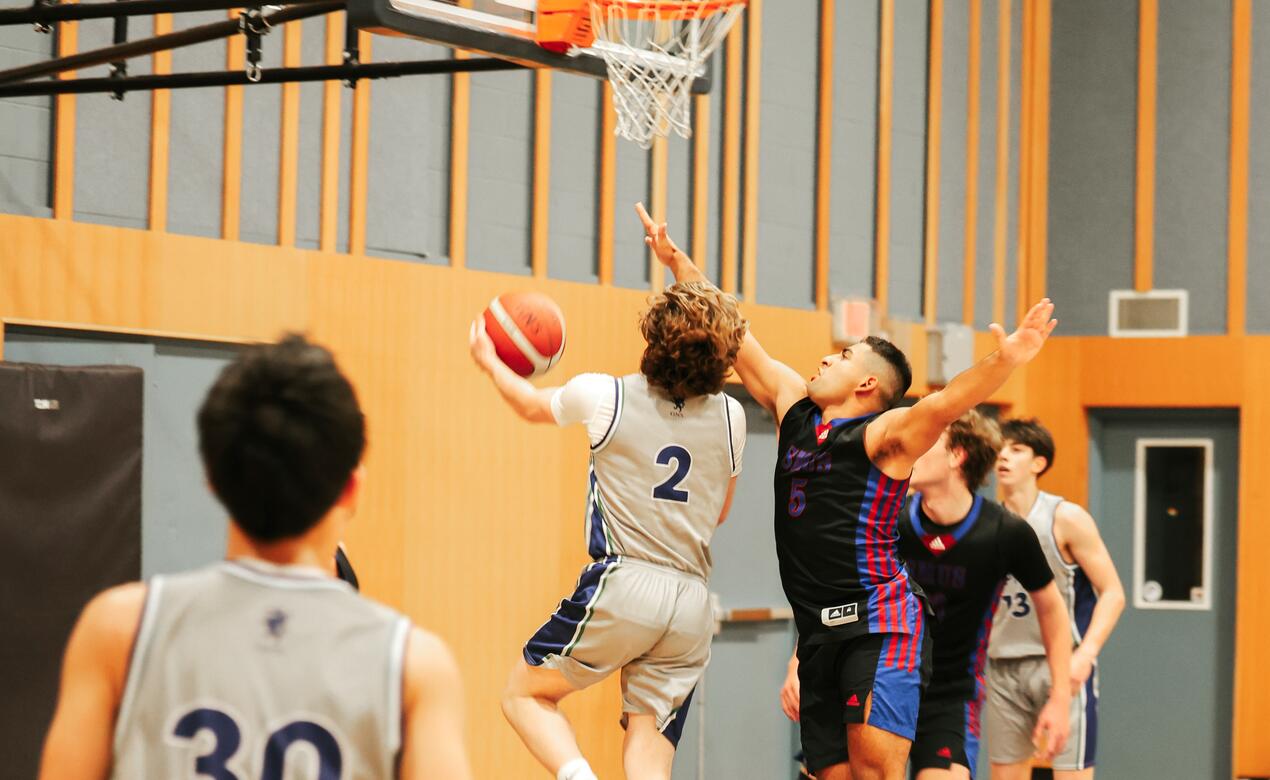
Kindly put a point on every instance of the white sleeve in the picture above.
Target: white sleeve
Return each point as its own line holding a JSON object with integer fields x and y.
{"x": 736, "y": 432}
{"x": 590, "y": 399}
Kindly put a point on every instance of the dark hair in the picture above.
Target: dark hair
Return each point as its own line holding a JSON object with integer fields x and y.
{"x": 1030, "y": 433}
{"x": 980, "y": 439}
{"x": 894, "y": 358}
{"x": 280, "y": 434}
{"x": 694, "y": 331}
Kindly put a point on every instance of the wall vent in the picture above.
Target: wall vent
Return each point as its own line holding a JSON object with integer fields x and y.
{"x": 1151, "y": 314}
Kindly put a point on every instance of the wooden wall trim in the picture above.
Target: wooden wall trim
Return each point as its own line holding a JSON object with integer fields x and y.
{"x": 1000, "y": 220}
{"x": 731, "y": 176}
{"x": 329, "y": 199}
{"x": 700, "y": 178}
{"x": 289, "y": 154}
{"x": 934, "y": 125}
{"x": 824, "y": 153}
{"x": 232, "y": 169}
{"x": 753, "y": 104}
{"x": 460, "y": 141}
{"x": 882, "y": 200}
{"x": 64, "y": 137}
{"x": 359, "y": 155}
{"x": 658, "y": 164}
{"x": 1033, "y": 278}
{"x": 540, "y": 221}
{"x": 608, "y": 184}
{"x": 1026, "y": 99}
{"x": 1144, "y": 191}
{"x": 973, "y": 68}
{"x": 1237, "y": 230}
{"x": 160, "y": 133}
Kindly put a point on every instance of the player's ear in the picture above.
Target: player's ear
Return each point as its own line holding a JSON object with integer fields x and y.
{"x": 1039, "y": 464}
{"x": 351, "y": 494}
{"x": 957, "y": 455}
{"x": 869, "y": 384}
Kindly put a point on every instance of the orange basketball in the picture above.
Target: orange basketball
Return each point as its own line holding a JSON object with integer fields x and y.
{"x": 527, "y": 329}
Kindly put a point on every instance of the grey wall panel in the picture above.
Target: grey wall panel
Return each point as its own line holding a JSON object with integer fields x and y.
{"x": 985, "y": 246}
{"x": 787, "y": 156}
{"x": 1093, "y": 127}
{"x": 908, "y": 159}
{"x": 308, "y": 190}
{"x": 630, "y": 257}
{"x": 261, "y": 154}
{"x": 1259, "y": 181}
{"x": 499, "y": 181}
{"x": 678, "y": 191}
{"x": 952, "y": 163}
{"x": 112, "y": 141}
{"x": 713, "y": 259}
{"x": 346, "y": 173}
{"x": 1012, "y": 182}
{"x": 1193, "y": 157}
{"x": 575, "y": 178}
{"x": 196, "y": 138}
{"x": 408, "y": 179}
{"x": 853, "y": 176}
{"x": 26, "y": 126}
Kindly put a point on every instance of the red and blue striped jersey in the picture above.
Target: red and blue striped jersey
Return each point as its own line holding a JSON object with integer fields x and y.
{"x": 836, "y": 531}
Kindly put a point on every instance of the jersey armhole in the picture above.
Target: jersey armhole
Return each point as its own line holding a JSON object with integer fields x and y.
{"x": 395, "y": 717}
{"x": 136, "y": 659}
{"x": 1058, "y": 549}
{"x": 618, "y": 397}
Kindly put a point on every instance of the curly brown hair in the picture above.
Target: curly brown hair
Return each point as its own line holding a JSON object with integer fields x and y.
{"x": 979, "y": 437}
{"x": 694, "y": 331}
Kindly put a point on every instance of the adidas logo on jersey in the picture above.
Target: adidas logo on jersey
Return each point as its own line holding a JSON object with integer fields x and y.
{"x": 938, "y": 544}
{"x": 944, "y": 752}
{"x": 839, "y": 616}
{"x": 854, "y": 701}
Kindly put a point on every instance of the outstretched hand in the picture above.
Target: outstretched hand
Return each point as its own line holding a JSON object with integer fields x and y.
{"x": 656, "y": 237}
{"x": 1022, "y": 345}
{"x": 481, "y": 345}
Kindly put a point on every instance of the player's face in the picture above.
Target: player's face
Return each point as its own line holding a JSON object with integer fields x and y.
{"x": 1017, "y": 464}
{"x": 839, "y": 374}
{"x": 934, "y": 467}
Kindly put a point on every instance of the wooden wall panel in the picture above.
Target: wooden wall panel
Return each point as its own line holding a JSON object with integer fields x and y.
{"x": 446, "y": 517}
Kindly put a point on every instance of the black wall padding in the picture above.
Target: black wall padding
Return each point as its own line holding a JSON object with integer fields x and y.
{"x": 70, "y": 526}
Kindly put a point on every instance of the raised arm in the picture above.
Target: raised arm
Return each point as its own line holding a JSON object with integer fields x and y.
{"x": 901, "y": 436}
{"x": 1080, "y": 539}
{"x": 433, "y": 741}
{"x": 774, "y": 385}
{"x": 94, "y": 670}
{"x": 531, "y": 403}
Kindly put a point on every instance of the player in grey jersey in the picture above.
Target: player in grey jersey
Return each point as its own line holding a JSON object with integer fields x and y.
{"x": 666, "y": 447}
{"x": 1018, "y": 680}
{"x": 264, "y": 665}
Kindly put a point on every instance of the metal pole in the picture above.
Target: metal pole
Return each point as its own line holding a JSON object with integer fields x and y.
{"x": 188, "y": 37}
{"x": 376, "y": 70}
{"x": 73, "y": 12}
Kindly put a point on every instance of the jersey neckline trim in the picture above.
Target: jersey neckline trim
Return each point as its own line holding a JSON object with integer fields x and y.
{"x": 961, "y": 527}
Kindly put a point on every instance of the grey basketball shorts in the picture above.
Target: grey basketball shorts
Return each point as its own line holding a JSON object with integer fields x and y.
{"x": 1017, "y": 690}
{"x": 651, "y": 622}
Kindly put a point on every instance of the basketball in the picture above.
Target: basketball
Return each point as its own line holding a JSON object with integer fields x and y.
{"x": 527, "y": 329}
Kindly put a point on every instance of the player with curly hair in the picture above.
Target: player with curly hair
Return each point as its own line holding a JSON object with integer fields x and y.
{"x": 666, "y": 446}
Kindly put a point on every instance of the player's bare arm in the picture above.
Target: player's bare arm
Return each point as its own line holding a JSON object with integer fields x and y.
{"x": 774, "y": 385}
{"x": 432, "y": 705}
{"x": 900, "y": 436}
{"x": 1079, "y": 542}
{"x": 531, "y": 403}
{"x": 727, "y": 502}
{"x": 94, "y": 671}
{"x": 1053, "y": 724}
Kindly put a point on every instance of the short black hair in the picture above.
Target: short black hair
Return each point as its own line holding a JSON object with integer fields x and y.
{"x": 898, "y": 363}
{"x": 1031, "y": 433}
{"x": 280, "y": 433}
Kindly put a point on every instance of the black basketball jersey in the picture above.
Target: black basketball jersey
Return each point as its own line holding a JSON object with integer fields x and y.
{"x": 962, "y": 568}
{"x": 836, "y": 535}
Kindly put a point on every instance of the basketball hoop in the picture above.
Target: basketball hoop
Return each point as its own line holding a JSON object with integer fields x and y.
{"x": 654, "y": 50}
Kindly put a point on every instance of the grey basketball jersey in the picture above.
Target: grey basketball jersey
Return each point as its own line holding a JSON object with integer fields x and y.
{"x": 660, "y": 476}
{"x": 1015, "y": 630}
{"x": 259, "y": 671}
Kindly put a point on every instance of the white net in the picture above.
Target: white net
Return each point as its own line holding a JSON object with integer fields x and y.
{"x": 654, "y": 51}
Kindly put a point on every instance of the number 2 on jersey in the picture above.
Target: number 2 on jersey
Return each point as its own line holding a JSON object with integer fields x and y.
{"x": 669, "y": 490}
{"x": 227, "y": 738}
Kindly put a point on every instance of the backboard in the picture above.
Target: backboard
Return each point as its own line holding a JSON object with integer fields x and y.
{"x": 496, "y": 28}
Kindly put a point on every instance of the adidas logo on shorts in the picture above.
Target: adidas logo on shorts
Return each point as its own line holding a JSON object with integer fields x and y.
{"x": 839, "y": 616}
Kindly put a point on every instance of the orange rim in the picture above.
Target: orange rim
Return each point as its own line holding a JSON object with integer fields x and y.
{"x": 667, "y": 9}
